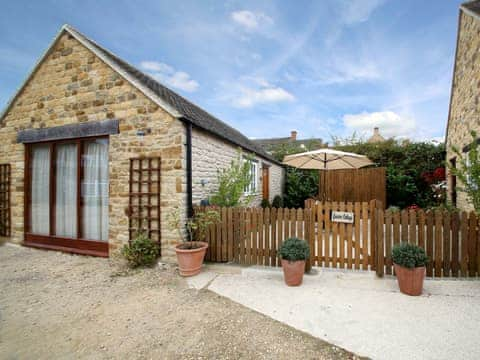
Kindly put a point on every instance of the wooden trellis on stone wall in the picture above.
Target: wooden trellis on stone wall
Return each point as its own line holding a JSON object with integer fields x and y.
{"x": 5, "y": 217}
{"x": 144, "y": 197}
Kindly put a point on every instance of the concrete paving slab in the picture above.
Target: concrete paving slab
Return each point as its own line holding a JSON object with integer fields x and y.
{"x": 201, "y": 280}
{"x": 365, "y": 314}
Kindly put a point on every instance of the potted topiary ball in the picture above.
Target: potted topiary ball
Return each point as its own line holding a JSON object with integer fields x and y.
{"x": 409, "y": 261}
{"x": 293, "y": 254}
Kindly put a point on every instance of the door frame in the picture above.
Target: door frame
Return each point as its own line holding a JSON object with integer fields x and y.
{"x": 78, "y": 245}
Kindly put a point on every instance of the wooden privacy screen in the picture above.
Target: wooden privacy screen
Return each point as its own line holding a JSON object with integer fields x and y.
{"x": 353, "y": 185}
{"x": 450, "y": 239}
{"x": 144, "y": 197}
{"x": 253, "y": 236}
{"x": 5, "y": 200}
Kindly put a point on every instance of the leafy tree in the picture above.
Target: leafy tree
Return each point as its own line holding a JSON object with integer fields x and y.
{"x": 232, "y": 182}
{"x": 300, "y": 185}
{"x": 281, "y": 150}
{"x": 468, "y": 171}
{"x": 412, "y": 169}
{"x": 407, "y": 164}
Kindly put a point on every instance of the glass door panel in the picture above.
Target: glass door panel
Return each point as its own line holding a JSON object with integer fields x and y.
{"x": 95, "y": 190}
{"x": 40, "y": 190}
{"x": 66, "y": 190}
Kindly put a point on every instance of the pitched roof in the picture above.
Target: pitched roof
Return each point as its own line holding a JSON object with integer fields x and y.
{"x": 167, "y": 99}
{"x": 284, "y": 140}
{"x": 472, "y": 6}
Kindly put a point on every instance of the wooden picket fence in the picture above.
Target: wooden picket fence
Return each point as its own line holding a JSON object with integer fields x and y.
{"x": 252, "y": 236}
{"x": 450, "y": 239}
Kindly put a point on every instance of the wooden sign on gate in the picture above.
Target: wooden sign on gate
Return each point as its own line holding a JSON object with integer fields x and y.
{"x": 342, "y": 216}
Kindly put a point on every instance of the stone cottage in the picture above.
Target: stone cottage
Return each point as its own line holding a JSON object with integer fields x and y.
{"x": 92, "y": 149}
{"x": 464, "y": 112}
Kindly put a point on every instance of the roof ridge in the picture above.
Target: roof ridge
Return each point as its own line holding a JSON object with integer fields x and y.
{"x": 472, "y": 8}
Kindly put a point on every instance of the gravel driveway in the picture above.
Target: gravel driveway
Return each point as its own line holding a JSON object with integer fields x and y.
{"x": 55, "y": 305}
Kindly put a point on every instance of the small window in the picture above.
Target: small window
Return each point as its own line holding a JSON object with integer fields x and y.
{"x": 252, "y": 187}
{"x": 469, "y": 179}
{"x": 468, "y": 165}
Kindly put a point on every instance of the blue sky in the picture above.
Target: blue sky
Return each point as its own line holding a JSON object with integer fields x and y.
{"x": 324, "y": 68}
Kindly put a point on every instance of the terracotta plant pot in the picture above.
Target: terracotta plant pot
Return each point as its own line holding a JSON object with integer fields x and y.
{"x": 293, "y": 272}
{"x": 190, "y": 260}
{"x": 410, "y": 281}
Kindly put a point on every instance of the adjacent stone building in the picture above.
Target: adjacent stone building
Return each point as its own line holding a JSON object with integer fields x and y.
{"x": 464, "y": 113}
{"x": 71, "y": 136}
{"x": 272, "y": 144}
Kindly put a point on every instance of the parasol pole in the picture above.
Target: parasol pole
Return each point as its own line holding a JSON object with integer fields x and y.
{"x": 324, "y": 177}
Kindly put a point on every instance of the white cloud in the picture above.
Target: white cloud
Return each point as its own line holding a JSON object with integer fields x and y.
{"x": 357, "y": 11}
{"x": 251, "y": 97}
{"x": 167, "y": 75}
{"x": 350, "y": 13}
{"x": 342, "y": 71}
{"x": 390, "y": 123}
{"x": 251, "y": 91}
{"x": 156, "y": 66}
{"x": 251, "y": 20}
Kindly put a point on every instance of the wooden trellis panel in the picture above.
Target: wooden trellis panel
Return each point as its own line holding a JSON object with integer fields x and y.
{"x": 5, "y": 216}
{"x": 144, "y": 197}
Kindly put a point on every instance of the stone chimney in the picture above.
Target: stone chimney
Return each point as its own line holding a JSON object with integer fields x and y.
{"x": 293, "y": 135}
{"x": 376, "y": 137}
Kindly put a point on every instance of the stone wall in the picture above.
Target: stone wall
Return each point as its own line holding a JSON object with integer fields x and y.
{"x": 72, "y": 85}
{"x": 209, "y": 154}
{"x": 465, "y": 102}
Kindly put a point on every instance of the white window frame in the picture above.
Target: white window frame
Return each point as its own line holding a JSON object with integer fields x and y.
{"x": 252, "y": 187}
{"x": 468, "y": 165}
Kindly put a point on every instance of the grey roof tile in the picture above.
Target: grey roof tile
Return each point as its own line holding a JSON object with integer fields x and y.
{"x": 473, "y": 6}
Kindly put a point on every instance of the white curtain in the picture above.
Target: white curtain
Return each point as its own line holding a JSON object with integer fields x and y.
{"x": 40, "y": 195}
{"x": 66, "y": 191}
{"x": 95, "y": 190}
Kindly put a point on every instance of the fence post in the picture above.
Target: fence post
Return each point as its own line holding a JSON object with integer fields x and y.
{"x": 307, "y": 218}
{"x": 373, "y": 233}
{"x": 380, "y": 238}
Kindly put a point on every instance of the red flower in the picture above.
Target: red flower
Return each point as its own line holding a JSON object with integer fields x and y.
{"x": 428, "y": 177}
{"x": 439, "y": 174}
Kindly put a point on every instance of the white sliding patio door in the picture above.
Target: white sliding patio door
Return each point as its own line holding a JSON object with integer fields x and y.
{"x": 95, "y": 190}
{"x": 66, "y": 190}
{"x": 40, "y": 189}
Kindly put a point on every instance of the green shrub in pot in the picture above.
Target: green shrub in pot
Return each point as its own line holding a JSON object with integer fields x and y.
{"x": 409, "y": 262}
{"x": 294, "y": 249}
{"x": 294, "y": 253}
{"x": 409, "y": 255}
